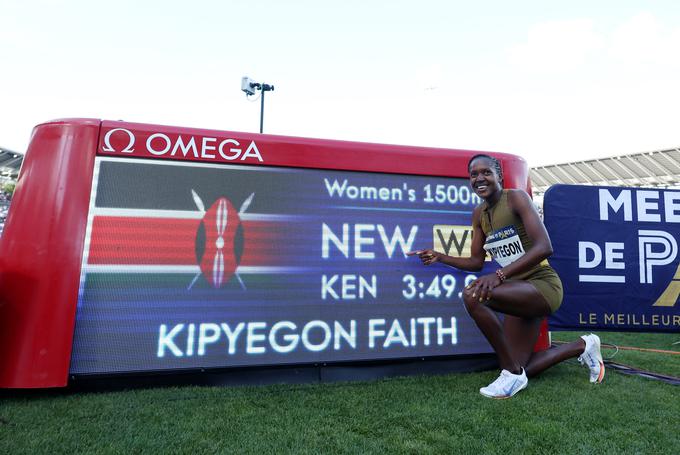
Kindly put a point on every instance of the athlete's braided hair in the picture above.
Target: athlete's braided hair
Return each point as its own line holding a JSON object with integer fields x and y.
{"x": 494, "y": 162}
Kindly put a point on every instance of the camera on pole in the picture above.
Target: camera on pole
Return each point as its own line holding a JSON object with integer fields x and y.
{"x": 249, "y": 86}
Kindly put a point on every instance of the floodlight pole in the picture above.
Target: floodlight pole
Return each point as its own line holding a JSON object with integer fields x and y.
{"x": 249, "y": 86}
{"x": 263, "y": 88}
{"x": 261, "y": 111}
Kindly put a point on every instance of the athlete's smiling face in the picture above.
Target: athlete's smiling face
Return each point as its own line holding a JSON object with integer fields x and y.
{"x": 484, "y": 178}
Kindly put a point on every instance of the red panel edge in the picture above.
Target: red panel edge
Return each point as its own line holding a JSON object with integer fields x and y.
{"x": 294, "y": 151}
{"x": 41, "y": 252}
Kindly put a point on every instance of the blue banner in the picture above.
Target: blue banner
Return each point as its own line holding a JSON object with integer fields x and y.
{"x": 616, "y": 251}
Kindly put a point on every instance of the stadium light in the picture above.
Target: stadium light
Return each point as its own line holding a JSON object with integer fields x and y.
{"x": 249, "y": 86}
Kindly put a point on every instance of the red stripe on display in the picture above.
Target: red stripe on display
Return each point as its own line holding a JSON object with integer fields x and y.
{"x": 171, "y": 241}
{"x": 124, "y": 240}
{"x": 268, "y": 244}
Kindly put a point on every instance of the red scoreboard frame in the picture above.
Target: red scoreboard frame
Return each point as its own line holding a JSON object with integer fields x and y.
{"x": 41, "y": 249}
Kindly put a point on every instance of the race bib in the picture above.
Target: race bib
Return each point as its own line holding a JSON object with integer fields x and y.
{"x": 504, "y": 245}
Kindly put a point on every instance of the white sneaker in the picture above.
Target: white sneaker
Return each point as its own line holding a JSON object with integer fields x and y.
{"x": 592, "y": 357}
{"x": 506, "y": 385}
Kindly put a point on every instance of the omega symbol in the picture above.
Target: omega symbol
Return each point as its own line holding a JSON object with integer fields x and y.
{"x": 127, "y": 149}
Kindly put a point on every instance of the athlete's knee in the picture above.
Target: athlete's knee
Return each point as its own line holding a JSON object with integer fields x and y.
{"x": 471, "y": 303}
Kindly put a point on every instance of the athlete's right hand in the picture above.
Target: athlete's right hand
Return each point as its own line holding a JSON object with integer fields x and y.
{"x": 427, "y": 256}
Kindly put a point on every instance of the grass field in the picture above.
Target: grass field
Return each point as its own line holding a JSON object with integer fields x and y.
{"x": 560, "y": 412}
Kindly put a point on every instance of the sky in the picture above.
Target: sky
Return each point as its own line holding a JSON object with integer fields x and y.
{"x": 551, "y": 81}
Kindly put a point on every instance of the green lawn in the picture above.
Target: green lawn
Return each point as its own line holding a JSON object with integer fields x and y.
{"x": 560, "y": 412}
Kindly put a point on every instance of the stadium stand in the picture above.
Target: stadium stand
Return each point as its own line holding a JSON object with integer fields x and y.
{"x": 660, "y": 168}
{"x": 10, "y": 163}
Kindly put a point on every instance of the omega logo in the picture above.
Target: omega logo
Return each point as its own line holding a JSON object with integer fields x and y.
{"x": 159, "y": 144}
{"x": 128, "y": 148}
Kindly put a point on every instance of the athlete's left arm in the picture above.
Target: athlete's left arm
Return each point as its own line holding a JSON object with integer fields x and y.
{"x": 541, "y": 248}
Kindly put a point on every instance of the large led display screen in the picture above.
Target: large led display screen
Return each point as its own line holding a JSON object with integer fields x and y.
{"x": 190, "y": 265}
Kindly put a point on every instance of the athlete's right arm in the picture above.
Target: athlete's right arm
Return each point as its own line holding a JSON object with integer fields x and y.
{"x": 474, "y": 263}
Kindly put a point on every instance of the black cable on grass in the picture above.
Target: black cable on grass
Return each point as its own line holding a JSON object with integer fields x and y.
{"x": 630, "y": 370}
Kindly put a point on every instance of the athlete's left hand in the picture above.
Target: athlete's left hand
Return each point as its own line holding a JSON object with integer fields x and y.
{"x": 482, "y": 286}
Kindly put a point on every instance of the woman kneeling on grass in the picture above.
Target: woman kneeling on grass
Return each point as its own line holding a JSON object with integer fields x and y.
{"x": 526, "y": 289}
